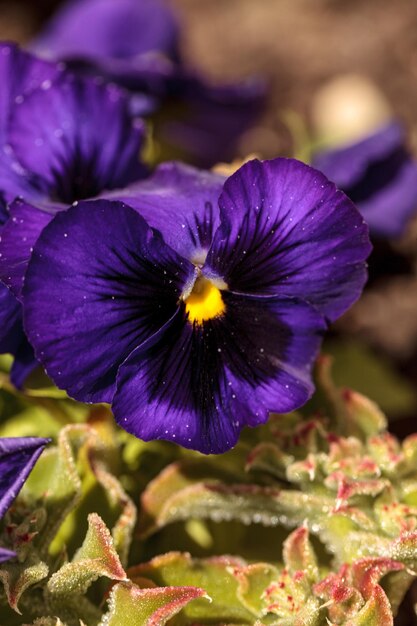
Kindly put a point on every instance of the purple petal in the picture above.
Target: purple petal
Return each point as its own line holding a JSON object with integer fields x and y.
{"x": 55, "y": 135}
{"x": 199, "y": 385}
{"x": 347, "y": 164}
{"x": 99, "y": 282}
{"x": 20, "y": 74}
{"x": 18, "y": 455}
{"x": 98, "y": 29}
{"x": 181, "y": 202}
{"x": 379, "y": 175}
{"x": 286, "y": 230}
{"x": 18, "y": 236}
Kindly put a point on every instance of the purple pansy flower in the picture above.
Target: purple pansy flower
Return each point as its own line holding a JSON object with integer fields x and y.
{"x": 379, "y": 175}
{"x": 62, "y": 138}
{"x": 18, "y": 455}
{"x": 134, "y": 43}
{"x": 197, "y": 305}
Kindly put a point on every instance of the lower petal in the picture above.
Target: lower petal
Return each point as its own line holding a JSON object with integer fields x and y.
{"x": 199, "y": 385}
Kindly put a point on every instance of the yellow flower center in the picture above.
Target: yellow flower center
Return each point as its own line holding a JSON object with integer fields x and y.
{"x": 204, "y": 302}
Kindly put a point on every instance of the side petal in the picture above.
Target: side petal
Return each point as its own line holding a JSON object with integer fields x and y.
{"x": 286, "y": 230}
{"x": 181, "y": 202}
{"x": 99, "y": 282}
{"x": 18, "y": 455}
{"x": 200, "y": 385}
{"x": 18, "y": 236}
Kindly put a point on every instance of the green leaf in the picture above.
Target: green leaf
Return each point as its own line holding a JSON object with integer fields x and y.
{"x": 97, "y": 557}
{"x": 17, "y": 577}
{"x": 376, "y": 612}
{"x": 131, "y": 606}
{"x": 215, "y": 575}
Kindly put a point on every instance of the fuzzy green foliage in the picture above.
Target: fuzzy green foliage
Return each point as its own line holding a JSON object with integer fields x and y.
{"x": 319, "y": 513}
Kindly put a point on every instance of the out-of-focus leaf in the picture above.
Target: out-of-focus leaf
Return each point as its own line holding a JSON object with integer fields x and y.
{"x": 49, "y": 621}
{"x": 358, "y": 367}
{"x": 174, "y": 478}
{"x": 245, "y": 503}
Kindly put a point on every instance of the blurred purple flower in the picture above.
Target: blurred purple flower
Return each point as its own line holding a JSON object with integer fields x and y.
{"x": 62, "y": 138}
{"x": 117, "y": 29}
{"x": 18, "y": 456}
{"x": 201, "y": 308}
{"x": 379, "y": 176}
{"x": 134, "y": 43}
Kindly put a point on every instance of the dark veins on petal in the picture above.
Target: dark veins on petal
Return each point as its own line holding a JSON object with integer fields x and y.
{"x": 201, "y": 229}
{"x": 201, "y": 383}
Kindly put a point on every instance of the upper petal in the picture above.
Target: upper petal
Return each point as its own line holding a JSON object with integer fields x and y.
{"x": 286, "y": 230}
{"x": 181, "y": 202}
{"x": 199, "y": 385}
{"x": 18, "y": 455}
{"x": 57, "y": 146}
{"x": 20, "y": 74}
{"x": 98, "y": 29}
{"x": 99, "y": 282}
